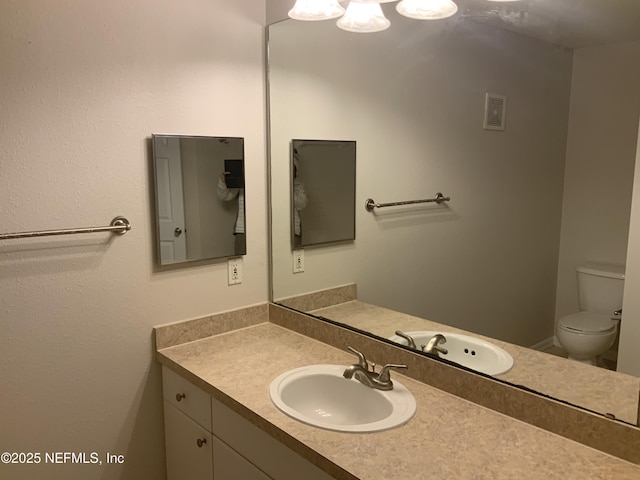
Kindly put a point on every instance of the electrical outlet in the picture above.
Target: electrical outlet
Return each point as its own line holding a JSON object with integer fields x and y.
{"x": 234, "y": 266}
{"x": 298, "y": 261}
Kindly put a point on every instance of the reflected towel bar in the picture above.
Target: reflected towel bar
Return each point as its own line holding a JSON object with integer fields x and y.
{"x": 370, "y": 204}
{"x": 119, "y": 225}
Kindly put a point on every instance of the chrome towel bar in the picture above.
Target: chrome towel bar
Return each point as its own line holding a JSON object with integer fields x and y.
{"x": 119, "y": 225}
{"x": 370, "y": 204}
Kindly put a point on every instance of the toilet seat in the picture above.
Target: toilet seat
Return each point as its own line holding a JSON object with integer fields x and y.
{"x": 587, "y": 323}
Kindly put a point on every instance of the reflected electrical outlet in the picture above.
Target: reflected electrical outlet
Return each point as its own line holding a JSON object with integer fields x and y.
{"x": 298, "y": 261}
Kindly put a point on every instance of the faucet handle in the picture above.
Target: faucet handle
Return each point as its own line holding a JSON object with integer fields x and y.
{"x": 362, "y": 360}
{"x": 410, "y": 341}
{"x": 384, "y": 375}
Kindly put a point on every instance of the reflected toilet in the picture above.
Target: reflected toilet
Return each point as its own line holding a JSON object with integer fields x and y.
{"x": 592, "y": 331}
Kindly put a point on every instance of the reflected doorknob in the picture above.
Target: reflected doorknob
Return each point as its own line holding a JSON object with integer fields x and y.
{"x": 177, "y": 232}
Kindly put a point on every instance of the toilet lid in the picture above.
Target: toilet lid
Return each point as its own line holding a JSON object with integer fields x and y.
{"x": 587, "y": 322}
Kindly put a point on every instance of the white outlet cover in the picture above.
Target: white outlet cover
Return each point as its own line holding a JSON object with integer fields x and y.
{"x": 234, "y": 270}
{"x": 298, "y": 261}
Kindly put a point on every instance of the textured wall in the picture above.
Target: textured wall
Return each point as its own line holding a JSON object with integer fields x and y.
{"x": 83, "y": 86}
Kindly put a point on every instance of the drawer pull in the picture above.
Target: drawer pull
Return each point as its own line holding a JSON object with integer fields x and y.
{"x": 180, "y": 396}
{"x": 200, "y": 442}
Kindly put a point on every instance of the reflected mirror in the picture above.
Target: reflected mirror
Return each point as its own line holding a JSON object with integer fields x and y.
{"x": 199, "y": 187}
{"x": 323, "y": 188}
{"x": 531, "y": 201}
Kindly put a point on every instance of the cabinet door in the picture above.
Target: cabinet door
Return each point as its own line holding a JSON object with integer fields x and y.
{"x": 229, "y": 465}
{"x": 189, "y": 447}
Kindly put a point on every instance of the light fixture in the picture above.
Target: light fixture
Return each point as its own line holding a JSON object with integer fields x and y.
{"x": 427, "y": 9}
{"x": 363, "y": 17}
{"x": 313, "y": 10}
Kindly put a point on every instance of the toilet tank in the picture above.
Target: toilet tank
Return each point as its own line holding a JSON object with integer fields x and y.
{"x": 600, "y": 287}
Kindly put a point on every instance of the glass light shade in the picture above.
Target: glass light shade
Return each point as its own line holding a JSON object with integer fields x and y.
{"x": 364, "y": 18}
{"x": 427, "y": 9}
{"x": 314, "y": 10}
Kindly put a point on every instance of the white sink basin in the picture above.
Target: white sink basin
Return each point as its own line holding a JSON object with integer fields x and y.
{"x": 468, "y": 351}
{"x": 319, "y": 395}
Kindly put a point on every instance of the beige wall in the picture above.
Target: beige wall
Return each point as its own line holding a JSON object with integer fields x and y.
{"x": 599, "y": 181}
{"x": 414, "y": 103}
{"x": 277, "y": 10}
{"x": 84, "y": 84}
{"x": 601, "y": 152}
{"x": 628, "y": 351}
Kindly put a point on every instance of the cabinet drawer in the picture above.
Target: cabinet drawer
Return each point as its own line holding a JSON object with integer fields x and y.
{"x": 186, "y": 397}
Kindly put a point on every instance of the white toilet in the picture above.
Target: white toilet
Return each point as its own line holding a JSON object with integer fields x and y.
{"x": 592, "y": 331}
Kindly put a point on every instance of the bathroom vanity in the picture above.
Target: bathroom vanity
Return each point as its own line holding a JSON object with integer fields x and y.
{"x": 206, "y": 439}
{"x": 221, "y": 423}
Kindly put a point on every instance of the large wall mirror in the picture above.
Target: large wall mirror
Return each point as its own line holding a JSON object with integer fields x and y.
{"x": 199, "y": 186}
{"x": 529, "y": 202}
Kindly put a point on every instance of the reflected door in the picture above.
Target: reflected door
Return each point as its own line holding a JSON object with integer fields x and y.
{"x": 170, "y": 198}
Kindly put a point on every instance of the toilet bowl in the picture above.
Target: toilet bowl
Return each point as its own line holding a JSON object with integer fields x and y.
{"x": 585, "y": 335}
{"x": 592, "y": 331}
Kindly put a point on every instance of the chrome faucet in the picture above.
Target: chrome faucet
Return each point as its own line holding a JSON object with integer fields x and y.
{"x": 367, "y": 375}
{"x": 433, "y": 345}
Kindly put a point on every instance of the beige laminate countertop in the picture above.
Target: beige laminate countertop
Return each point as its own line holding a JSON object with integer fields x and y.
{"x": 449, "y": 438}
{"x": 596, "y": 389}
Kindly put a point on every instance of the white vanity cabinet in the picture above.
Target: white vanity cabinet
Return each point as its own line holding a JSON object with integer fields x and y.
{"x": 260, "y": 448}
{"x": 189, "y": 447}
{"x": 205, "y": 440}
{"x": 229, "y": 465}
{"x": 187, "y": 429}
